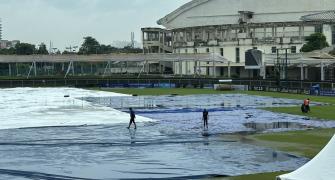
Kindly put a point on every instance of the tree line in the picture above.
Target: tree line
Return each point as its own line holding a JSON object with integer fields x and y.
{"x": 89, "y": 46}
{"x": 25, "y": 49}
{"x": 92, "y": 46}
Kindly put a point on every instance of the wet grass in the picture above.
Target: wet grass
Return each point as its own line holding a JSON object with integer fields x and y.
{"x": 263, "y": 176}
{"x": 330, "y": 100}
{"x": 318, "y": 112}
{"x": 301, "y": 143}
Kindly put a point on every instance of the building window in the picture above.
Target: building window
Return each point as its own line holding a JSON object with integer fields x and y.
{"x": 222, "y": 71}
{"x": 294, "y": 49}
{"x": 333, "y": 33}
{"x": 254, "y": 48}
{"x": 237, "y": 51}
{"x": 221, "y": 51}
{"x": 207, "y": 50}
{"x": 318, "y": 29}
{"x": 181, "y": 36}
{"x": 281, "y": 40}
{"x": 189, "y": 36}
{"x": 238, "y": 71}
{"x": 274, "y": 50}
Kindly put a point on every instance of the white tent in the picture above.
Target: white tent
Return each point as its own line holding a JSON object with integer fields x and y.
{"x": 322, "y": 167}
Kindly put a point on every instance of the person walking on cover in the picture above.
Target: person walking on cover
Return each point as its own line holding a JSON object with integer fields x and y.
{"x": 132, "y": 117}
{"x": 205, "y": 118}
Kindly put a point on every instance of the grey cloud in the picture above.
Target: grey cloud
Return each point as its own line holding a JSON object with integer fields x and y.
{"x": 65, "y": 22}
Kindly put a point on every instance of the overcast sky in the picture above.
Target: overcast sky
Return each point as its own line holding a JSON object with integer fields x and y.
{"x": 66, "y": 22}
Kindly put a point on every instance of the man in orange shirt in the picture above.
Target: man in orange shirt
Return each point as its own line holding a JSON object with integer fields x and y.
{"x": 306, "y": 105}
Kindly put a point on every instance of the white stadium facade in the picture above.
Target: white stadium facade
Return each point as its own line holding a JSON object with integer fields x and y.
{"x": 237, "y": 29}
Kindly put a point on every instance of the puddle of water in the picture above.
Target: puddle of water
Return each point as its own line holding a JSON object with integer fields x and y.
{"x": 260, "y": 127}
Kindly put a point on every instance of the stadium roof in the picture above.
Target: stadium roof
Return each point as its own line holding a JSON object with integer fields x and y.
{"x": 322, "y": 16}
{"x": 111, "y": 57}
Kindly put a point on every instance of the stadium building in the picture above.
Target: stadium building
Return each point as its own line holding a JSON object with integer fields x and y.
{"x": 258, "y": 38}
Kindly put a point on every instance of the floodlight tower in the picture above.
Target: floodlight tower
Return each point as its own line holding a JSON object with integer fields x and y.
{"x": 0, "y": 30}
{"x": 132, "y": 41}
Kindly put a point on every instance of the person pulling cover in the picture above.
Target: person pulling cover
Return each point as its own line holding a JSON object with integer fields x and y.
{"x": 132, "y": 117}
{"x": 305, "y": 107}
{"x": 205, "y": 118}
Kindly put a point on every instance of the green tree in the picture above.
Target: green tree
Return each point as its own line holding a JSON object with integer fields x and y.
{"x": 129, "y": 49}
{"x": 42, "y": 49}
{"x": 89, "y": 46}
{"x": 66, "y": 52}
{"x": 107, "y": 49}
{"x": 24, "y": 49}
{"x": 92, "y": 46}
{"x": 315, "y": 41}
{"x": 9, "y": 51}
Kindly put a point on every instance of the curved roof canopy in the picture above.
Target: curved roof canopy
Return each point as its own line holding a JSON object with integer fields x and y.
{"x": 224, "y": 12}
{"x": 180, "y": 10}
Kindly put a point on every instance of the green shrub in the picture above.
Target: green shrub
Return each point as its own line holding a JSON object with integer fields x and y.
{"x": 315, "y": 41}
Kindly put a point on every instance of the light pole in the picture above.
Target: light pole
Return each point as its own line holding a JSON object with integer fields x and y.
{"x": 96, "y": 49}
{"x": 54, "y": 50}
{"x": 283, "y": 64}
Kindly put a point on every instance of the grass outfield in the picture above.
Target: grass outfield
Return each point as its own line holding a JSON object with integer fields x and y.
{"x": 318, "y": 112}
{"x": 301, "y": 143}
{"x": 263, "y": 176}
{"x": 330, "y": 100}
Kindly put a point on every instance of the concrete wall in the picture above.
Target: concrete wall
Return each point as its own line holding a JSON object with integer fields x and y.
{"x": 230, "y": 51}
{"x": 327, "y": 31}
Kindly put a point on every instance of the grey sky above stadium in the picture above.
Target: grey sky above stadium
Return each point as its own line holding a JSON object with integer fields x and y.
{"x": 66, "y": 22}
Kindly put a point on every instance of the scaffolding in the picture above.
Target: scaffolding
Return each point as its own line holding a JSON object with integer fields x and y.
{"x": 101, "y": 65}
{"x": 282, "y": 61}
